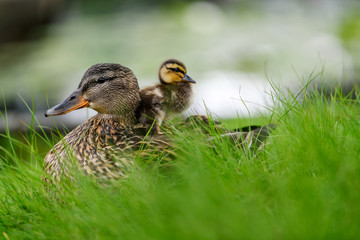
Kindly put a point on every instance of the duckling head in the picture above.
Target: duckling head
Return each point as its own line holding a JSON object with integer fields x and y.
{"x": 173, "y": 71}
{"x": 108, "y": 88}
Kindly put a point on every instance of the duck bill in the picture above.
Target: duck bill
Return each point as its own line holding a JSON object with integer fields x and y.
{"x": 73, "y": 102}
{"x": 187, "y": 78}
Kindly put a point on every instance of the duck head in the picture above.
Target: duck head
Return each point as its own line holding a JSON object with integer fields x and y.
{"x": 108, "y": 88}
{"x": 173, "y": 71}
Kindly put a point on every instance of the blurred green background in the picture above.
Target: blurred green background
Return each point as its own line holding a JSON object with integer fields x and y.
{"x": 229, "y": 47}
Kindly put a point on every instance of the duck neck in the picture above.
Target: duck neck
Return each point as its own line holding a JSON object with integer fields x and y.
{"x": 180, "y": 87}
{"x": 128, "y": 120}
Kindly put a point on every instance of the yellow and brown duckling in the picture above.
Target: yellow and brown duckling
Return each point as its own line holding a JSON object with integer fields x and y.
{"x": 170, "y": 97}
{"x": 104, "y": 145}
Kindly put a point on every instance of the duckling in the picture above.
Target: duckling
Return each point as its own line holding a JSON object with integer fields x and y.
{"x": 104, "y": 145}
{"x": 170, "y": 97}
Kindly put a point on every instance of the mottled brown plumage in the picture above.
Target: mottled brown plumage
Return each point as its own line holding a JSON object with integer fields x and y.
{"x": 170, "y": 97}
{"x": 106, "y": 144}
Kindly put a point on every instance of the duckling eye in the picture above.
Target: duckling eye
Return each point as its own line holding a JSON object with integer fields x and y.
{"x": 176, "y": 70}
{"x": 101, "y": 80}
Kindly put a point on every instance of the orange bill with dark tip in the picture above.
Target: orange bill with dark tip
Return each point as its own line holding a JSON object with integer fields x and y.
{"x": 73, "y": 102}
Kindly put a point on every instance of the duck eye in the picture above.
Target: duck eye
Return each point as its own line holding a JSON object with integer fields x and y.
{"x": 101, "y": 80}
{"x": 177, "y": 70}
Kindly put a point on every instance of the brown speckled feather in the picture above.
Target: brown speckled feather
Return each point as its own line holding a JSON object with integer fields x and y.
{"x": 103, "y": 146}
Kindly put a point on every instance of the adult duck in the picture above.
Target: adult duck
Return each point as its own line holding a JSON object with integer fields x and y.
{"x": 104, "y": 145}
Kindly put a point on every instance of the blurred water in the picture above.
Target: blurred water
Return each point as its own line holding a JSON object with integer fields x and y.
{"x": 229, "y": 94}
{"x": 229, "y": 51}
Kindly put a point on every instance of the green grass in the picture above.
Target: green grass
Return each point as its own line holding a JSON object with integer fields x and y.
{"x": 304, "y": 185}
